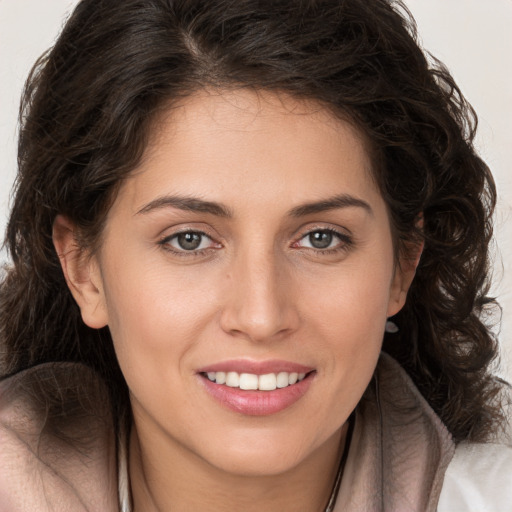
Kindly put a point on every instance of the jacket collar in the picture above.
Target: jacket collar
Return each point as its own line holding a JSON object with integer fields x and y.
{"x": 399, "y": 449}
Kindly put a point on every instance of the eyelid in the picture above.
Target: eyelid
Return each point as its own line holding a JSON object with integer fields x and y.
{"x": 308, "y": 228}
{"x": 344, "y": 236}
{"x": 187, "y": 227}
{"x": 165, "y": 240}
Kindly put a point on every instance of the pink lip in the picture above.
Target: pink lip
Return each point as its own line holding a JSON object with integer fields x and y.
{"x": 255, "y": 402}
{"x": 256, "y": 367}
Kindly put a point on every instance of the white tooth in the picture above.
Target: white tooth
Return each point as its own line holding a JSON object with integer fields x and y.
{"x": 267, "y": 382}
{"x": 292, "y": 378}
{"x": 232, "y": 379}
{"x": 220, "y": 377}
{"x": 301, "y": 376}
{"x": 282, "y": 379}
{"x": 248, "y": 381}
{"x": 211, "y": 376}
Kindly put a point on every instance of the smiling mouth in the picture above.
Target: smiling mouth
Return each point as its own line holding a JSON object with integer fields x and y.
{"x": 261, "y": 393}
{"x": 254, "y": 382}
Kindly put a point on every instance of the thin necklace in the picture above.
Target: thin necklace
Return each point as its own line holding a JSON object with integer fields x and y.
{"x": 341, "y": 467}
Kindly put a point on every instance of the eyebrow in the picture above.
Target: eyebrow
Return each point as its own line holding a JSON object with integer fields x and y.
{"x": 197, "y": 205}
{"x": 190, "y": 204}
{"x": 332, "y": 203}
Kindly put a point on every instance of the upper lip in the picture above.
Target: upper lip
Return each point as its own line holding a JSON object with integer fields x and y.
{"x": 256, "y": 367}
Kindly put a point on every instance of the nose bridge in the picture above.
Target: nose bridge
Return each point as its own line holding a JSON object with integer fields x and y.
{"x": 258, "y": 306}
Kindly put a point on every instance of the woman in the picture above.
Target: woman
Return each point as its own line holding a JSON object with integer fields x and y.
{"x": 224, "y": 211}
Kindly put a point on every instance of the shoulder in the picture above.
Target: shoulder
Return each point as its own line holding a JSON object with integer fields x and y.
{"x": 56, "y": 441}
{"x": 478, "y": 478}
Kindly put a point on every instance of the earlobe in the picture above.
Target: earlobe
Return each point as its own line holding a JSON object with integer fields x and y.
{"x": 404, "y": 275}
{"x": 81, "y": 272}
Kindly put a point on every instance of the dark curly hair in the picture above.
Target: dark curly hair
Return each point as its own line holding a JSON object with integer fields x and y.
{"x": 90, "y": 104}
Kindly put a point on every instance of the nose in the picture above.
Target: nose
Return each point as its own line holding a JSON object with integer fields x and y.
{"x": 259, "y": 304}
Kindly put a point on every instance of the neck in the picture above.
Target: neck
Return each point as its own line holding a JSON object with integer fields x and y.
{"x": 171, "y": 478}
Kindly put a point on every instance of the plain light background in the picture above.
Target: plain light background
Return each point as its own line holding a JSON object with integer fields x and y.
{"x": 472, "y": 37}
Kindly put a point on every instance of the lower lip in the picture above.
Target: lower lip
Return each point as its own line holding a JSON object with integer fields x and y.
{"x": 254, "y": 402}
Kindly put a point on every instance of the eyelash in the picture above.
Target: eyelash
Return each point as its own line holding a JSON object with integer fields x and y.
{"x": 345, "y": 242}
{"x": 165, "y": 244}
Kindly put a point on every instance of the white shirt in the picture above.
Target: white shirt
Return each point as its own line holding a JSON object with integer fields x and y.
{"x": 478, "y": 479}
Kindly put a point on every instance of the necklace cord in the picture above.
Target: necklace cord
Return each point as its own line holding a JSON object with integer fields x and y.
{"x": 339, "y": 474}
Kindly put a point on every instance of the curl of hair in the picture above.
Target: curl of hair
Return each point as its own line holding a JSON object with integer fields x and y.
{"x": 89, "y": 106}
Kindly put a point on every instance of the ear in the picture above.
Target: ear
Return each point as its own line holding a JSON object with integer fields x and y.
{"x": 404, "y": 274}
{"x": 82, "y": 273}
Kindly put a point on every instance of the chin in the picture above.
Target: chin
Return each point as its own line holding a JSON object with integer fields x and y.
{"x": 252, "y": 465}
{"x": 265, "y": 453}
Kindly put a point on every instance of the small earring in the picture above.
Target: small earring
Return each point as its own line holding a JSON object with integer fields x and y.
{"x": 391, "y": 327}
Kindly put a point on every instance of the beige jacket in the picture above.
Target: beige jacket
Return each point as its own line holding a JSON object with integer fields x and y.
{"x": 63, "y": 458}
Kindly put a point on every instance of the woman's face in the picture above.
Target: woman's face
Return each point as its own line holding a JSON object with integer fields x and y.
{"x": 251, "y": 241}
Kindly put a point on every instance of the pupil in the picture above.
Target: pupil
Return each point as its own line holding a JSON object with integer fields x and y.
{"x": 320, "y": 239}
{"x": 189, "y": 241}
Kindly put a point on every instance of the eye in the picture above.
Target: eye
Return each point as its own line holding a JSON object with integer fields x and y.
{"x": 319, "y": 239}
{"x": 324, "y": 239}
{"x": 188, "y": 241}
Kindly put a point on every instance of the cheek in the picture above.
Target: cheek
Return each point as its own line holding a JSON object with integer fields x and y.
{"x": 353, "y": 299}
{"x": 152, "y": 311}
{"x": 347, "y": 317}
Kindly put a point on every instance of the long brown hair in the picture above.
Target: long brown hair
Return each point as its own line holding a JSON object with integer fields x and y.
{"x": 88, "y": 108}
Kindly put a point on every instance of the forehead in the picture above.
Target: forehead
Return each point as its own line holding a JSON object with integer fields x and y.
{"x": 245, "y": 144}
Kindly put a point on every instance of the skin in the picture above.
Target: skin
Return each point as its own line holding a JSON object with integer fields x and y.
{"x": 256, "y": 289}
